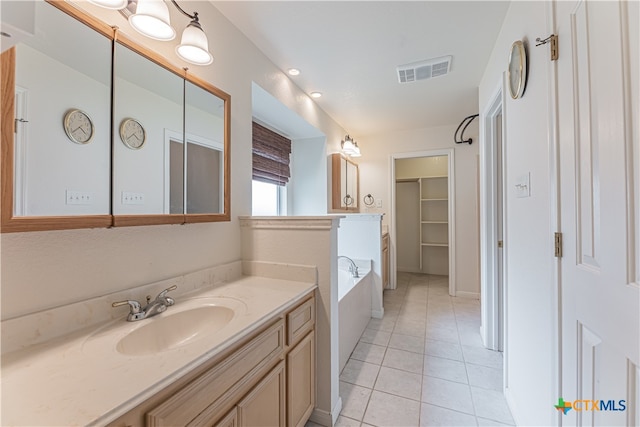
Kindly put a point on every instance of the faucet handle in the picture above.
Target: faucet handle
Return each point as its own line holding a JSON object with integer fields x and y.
{"x": 133, "y": 305}
{"x": 161, "y": 295}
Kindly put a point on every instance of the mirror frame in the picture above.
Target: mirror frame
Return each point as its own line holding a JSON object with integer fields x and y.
{"x": 10, "y": 223}
{"x": 336, "y": 181}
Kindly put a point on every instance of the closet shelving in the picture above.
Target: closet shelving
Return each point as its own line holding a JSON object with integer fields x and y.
{"x": 434, "y": 206}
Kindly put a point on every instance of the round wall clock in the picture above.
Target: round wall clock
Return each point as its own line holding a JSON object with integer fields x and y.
{"x": 78, "y": 126}
{"x": 132, "y": 134}
{"x": 517, "y": 73}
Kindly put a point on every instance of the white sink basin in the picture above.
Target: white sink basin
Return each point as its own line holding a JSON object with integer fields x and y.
{"x": 174, "y": 329}
{"x": 191, "y": 321}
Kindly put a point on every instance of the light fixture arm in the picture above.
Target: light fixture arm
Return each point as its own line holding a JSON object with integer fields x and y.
{"x": 193, "y": 17}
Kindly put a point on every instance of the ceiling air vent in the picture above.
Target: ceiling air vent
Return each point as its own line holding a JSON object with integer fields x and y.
{"x": 424, "y": 69}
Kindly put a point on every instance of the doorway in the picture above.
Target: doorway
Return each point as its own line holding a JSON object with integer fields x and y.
{"x": 423, "y": 209}
{"x": 492, "y": 231}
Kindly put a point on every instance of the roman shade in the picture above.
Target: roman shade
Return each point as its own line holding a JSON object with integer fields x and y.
{"x": 270, "y": 156}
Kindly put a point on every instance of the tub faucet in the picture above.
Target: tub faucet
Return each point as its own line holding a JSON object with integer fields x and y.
{"x": 158, "y": 305}
{"x": 353, "y": 268}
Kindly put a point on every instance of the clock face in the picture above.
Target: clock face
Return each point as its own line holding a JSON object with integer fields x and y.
{"x": 132, "y": 134}
{"x": 78, "y": 126}
{"x": 517, "y": 69}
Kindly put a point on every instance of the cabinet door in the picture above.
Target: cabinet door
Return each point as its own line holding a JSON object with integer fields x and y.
{"x": 301, "y": 382}
{"x": 229, "y": 420}
{"x": 385, "y": 261}
{"x": 265, "y": 404}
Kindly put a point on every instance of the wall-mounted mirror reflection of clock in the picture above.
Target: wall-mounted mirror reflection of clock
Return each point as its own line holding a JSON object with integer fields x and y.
{"x": 132, "y": 134}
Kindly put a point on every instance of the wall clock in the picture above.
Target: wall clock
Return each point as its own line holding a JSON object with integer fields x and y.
{"x": 517, "y": 72}
{"x": 132, "y": 134}
{"x": 78, "y": 126}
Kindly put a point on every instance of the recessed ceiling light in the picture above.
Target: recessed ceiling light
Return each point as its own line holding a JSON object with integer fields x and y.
{"x": 294, "y": 71}
{"x": 316, "y": 94}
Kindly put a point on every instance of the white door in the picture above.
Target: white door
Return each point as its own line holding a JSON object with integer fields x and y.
{"x": 597, "y": 92}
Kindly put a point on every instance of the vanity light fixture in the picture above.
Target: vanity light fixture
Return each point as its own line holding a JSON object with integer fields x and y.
{"x": 151, "y": 19}
{"x": 316, "y": 94}
{"x": 294, "y": 72}
{"x": 350, "y": 147}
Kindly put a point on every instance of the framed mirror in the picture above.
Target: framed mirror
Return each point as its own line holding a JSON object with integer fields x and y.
{"x": 345, "y": 186}
{"x": 71, "y": 159}
{"x": 56, "y": 115}
{"x": 148, "y": 103}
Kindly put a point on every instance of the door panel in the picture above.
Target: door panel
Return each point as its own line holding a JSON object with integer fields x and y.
{"x": 598, "y": 140}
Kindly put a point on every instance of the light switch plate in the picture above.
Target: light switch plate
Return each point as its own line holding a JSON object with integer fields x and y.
{"x": 130, "y": 198}
{"x": 378, "y": 203}
{"x": 78, "y": 197}
{"x": 523, "y": 185}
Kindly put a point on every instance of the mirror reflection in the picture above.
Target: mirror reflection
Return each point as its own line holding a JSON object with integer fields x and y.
{"x": 204, "y": 132}
{"x": 148, "y": 105}
{"x": 62, "y": 113}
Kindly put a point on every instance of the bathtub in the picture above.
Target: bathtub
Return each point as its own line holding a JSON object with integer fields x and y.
{"x": 354, "y": 308}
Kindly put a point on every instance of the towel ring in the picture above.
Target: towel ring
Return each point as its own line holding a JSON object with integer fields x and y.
{"x": 368, "y": 200}
{"x": 348, "y": 200}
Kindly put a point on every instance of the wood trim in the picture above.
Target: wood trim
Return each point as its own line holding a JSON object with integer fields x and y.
{"x": 7, "y": 123}
{"x": 139, "y": 220}
{"x": 335, "y": 181}
{"x": 198, "y": 218}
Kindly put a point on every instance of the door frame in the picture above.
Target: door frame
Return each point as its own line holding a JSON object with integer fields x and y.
{"x": 493, "y": 300}
{"x": 449, "y": 152}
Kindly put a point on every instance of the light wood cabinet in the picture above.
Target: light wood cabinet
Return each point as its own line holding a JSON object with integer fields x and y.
{"x": 345, "y": 190}
{"x": 301, "y": 381}
{"x": 267, "y": 379}
{"x": 385, "y": 261}
{"x": 264, "y": 406}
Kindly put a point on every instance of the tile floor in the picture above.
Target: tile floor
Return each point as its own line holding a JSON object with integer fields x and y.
{"x": 423, "y": 364}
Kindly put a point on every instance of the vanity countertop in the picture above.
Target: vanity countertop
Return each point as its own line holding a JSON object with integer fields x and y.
{"x": 81, "y": 379}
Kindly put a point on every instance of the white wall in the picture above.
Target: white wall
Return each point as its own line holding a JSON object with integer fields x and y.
{"x": 375, "y": 178}
{"x": 360, "y": 237}
{"x": 46, "y": 178}
{"x": 528, "y": 239}
{"x": 307, "y": 189}
{"x": 48, "y": 269}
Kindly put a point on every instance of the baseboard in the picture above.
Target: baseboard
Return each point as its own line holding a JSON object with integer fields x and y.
{"x": 377, "y": 314}
{"x": 325, "y": 418}
{"x": 512, "y": 406}
{"x": 464, "y": 294}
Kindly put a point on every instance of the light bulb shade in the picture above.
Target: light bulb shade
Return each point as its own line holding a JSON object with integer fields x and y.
{"x": 348, "y": 146}
{"x": 152, "y": 20}
{"x": 194, "y": 46}
{"x": 110, "y": 4}
{"x": 356, "y": 151}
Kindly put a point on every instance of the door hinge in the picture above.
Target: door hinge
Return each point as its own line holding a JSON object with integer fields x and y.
{"x": 553, "y": 45}
{"x": 500, "y": 243}
{"x": 557, "y": 237}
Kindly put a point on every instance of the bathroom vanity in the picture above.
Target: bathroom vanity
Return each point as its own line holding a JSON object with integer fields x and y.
{"x": 265, "y": 379}
{"x": 257, "y": 369}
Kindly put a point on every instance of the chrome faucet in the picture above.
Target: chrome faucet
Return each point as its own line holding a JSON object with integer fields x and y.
{"x": 353, "y": 268}
{"x": 158, "y": 305}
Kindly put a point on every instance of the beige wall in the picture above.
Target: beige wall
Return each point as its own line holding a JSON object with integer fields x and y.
{"x": 375, "y": 178}
{"x": 48, "y": 269}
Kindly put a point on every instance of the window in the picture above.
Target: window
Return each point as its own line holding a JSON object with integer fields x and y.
{"x": 268, "y": 199}
{"x": 271, "y": 172}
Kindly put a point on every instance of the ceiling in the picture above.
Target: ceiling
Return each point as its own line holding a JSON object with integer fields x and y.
{"x": 349, "y": 51}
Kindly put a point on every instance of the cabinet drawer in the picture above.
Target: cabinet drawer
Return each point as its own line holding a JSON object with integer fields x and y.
{"x": 301, "y": 320}
{"x": 199, "y": 399}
